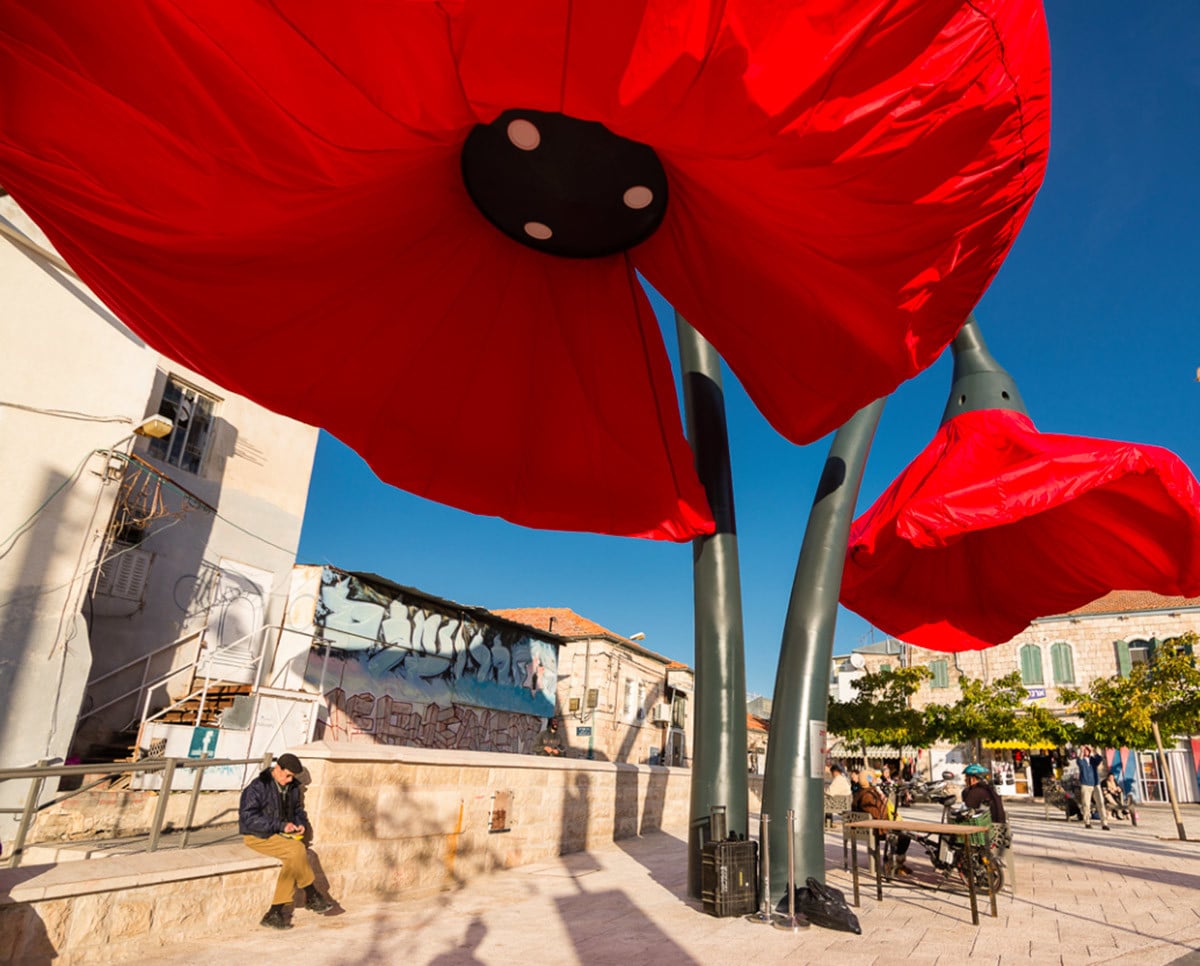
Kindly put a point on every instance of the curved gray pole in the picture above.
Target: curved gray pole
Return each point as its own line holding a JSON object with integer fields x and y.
{"x": 795, "y": 756}
{"x": 979, "y": 381}
{"x": 719, "y": 715}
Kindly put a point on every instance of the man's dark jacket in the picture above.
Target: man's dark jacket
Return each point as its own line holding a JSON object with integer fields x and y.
{"x": 264, "y": 812}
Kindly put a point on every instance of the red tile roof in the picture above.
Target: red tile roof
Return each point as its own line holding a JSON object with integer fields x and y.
{"x": 755, "y": 723}
{"x": 567, "y": 624}
{"x": 1132, "y": 601}
{"x": 558, "y": 620}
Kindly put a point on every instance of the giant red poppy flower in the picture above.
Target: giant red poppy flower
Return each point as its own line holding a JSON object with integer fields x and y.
{"x": 274, "y": 195}
{"x": 995, "y": 524}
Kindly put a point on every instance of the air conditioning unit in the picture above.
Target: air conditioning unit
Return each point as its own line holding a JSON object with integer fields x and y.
{"x": 661, "y": 713}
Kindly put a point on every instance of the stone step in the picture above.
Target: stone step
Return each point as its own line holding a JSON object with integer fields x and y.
{"x": 49, "y": 853}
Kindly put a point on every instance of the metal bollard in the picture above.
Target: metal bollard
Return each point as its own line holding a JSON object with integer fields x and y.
{"x": 718, "y": 826}
{"x": 765, "y": 913}
{"x": 791, "y": 922}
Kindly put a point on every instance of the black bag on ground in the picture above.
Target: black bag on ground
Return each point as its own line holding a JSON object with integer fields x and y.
{"x": 824, "y": 905}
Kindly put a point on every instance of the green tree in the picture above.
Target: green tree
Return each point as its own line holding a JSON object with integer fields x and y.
{"x": 1122, "y": 711}
{"x": 880, "y": 713}
{"x": 994, "y": 712}
{"x": 1162, "y": 695}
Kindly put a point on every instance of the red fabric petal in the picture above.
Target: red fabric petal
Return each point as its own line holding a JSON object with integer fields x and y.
{"x": 335, "y": 269}
{"x": 995, "y": 524}
{"x": 258, "y": 189}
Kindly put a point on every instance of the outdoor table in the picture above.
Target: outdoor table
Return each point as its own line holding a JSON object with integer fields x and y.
{"x": 928, "y": 828}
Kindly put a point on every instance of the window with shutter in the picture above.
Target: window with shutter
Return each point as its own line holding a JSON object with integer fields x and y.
{"x": 630, "y": 704}
{"x": 124, "y": 574}
{"x": 1063, "y": 663}
{"x": 1123, "y": 660}
{"x": 941, "y": 674}
{"x": 1031, "y": 665}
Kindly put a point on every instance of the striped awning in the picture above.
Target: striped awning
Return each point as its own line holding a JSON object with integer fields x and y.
{"x": 1016, "y": 746}
{"x": 841, "y": 750}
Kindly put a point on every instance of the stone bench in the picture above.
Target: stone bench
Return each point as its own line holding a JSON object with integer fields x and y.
{"x": 108, "y": 909}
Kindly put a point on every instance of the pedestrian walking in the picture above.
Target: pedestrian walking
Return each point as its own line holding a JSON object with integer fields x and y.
{"x": 1090, "y": 796}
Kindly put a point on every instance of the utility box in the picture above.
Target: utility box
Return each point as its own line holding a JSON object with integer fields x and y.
{"x": 729, "y": 877}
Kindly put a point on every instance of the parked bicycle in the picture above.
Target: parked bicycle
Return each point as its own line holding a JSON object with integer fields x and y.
{"x": 950, "y": 854}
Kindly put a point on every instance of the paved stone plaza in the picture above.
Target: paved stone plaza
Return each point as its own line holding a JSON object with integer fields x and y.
{"x": 1129, "y": 895}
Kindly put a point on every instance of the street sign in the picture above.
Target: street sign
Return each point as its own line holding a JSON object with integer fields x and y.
{"x": 204, "y": 743}
{"x": 581, "y": 732}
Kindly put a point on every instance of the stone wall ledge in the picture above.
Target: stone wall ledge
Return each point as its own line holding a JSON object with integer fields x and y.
{"x": 404, "y": 754}
{"x": 38, "y": 883}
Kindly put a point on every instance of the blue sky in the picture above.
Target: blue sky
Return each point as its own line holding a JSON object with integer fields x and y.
{"x": 1094, "y": 314}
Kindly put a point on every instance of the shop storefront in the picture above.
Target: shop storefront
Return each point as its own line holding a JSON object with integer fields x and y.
{"x": 1018, "y": 769}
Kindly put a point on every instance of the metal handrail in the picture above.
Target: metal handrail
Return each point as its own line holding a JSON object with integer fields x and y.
{"x": 145, "y": 684}
{"x": 202, "y": 692}
{"x": 207, "y": 659}
{"x": 37, "y": 775}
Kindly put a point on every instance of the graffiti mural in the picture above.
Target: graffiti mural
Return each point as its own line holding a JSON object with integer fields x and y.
{"x": 386, "y": 720}
{"x": 387, "y": 644}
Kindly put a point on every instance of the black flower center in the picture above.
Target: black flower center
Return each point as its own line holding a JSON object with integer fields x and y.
{"x": 564, "y": 186}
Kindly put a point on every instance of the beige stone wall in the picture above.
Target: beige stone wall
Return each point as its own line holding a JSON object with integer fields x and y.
{"x": 389, "y": 821}
{"x": 386, "y": 821}
{"x": 122, "y": 909}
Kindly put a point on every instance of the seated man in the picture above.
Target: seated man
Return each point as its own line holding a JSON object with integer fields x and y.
{"x": 273, "y": 821}
{"x": 870, "y": 800}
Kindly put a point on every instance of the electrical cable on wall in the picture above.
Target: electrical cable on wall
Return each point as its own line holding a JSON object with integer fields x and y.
{"x": 67, "y": 413}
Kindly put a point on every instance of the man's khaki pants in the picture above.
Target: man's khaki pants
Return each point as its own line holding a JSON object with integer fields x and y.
{"x": 1090, "y": 796}
{"x": 296, "y": 872}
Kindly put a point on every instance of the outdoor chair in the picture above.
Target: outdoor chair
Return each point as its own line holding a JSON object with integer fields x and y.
{"x": 849, "y": 816}
{"x": 835, "y": 805}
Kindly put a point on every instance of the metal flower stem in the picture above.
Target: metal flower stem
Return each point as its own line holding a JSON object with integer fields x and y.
{"x": 795, "y": 762}
{"x": 719, "y": 735}
{"x": 979, "y": 381}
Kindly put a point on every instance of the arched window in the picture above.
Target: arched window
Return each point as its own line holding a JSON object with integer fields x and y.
{"x": 1063, "y": 663}
{"x": 1031, "y": 665}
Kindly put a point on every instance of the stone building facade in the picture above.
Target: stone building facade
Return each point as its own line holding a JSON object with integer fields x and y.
{"x": 1101, "y": 639}
{"x": 618, "y": 701}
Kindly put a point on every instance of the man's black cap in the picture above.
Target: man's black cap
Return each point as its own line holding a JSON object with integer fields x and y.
{"x": 290, "y": 762}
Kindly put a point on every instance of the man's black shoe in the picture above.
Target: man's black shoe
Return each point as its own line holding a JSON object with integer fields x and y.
{"x": 318, "y": 903}
{"x": 275, "y": 919}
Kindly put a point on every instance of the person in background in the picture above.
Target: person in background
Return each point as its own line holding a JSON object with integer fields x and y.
{"x": 272, "y": 820}
{"x": 549, "y": 742}
{"x": 838, "y": 784}
{"x": 1090, "y": 796}
{"x": 876, "y": 804}
{"x": 1114, "y": 800}
{"x": 979, "y": 792}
